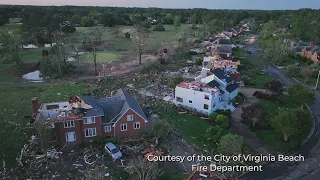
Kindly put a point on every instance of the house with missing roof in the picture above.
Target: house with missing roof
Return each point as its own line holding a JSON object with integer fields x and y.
{"x": 212, "y": 90}
{"x": 83, "y": 119}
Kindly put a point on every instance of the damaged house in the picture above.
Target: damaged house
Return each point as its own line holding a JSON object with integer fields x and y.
{"x": 212, "y": 90}
{"x": 85, "y": 118}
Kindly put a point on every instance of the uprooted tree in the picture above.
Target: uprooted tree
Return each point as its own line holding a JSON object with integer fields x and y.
{"x": 274, "y": 86}
{"x": 253, "y": 114}
{"x": 143, "y": 170}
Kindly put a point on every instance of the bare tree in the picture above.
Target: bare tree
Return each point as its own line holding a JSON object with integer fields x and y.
{"x": 115, "y": 30}
{"x": 97, "y": 33}
{"x": 139, "y": 40}
{"x": 94, "y": 55}
{"x": 143, "y": 170}
{"x": 10, "y": 48}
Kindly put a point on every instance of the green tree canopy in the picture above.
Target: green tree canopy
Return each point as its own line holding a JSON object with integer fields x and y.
{"x": 231, "y": 144}
{"x": 86, "y": 21}
{"x": 300, "y": 95}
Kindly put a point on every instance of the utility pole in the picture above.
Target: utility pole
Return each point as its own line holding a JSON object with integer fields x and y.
{"x": 317, "y": 81}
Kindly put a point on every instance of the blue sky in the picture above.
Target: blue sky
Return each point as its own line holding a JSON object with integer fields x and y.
{"x": 210, "y": 4}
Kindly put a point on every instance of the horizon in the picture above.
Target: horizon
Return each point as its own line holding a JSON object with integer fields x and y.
{"x": 178, "y": 4}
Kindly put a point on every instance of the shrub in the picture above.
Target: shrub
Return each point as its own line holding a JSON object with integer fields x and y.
{"x": 127, "y": 35}
{"x": 222, "y": 120}
{"x": 199, "y": 61}
{"x": 303, "y": 59}
{"x": 152, "y": 66}
{"x": 309, "y": 62}
{"x": 213, "y": 115}
{"x": 159, "y": 27}
{"x": 248, "y": 82}
{"x": 224, "y": 112}
{"x": 215, "y": 133}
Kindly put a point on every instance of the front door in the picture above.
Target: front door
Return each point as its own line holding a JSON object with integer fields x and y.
{"x": 71, "y": 136}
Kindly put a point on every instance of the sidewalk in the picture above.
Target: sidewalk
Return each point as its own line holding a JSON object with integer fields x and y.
{"x": 250, "y": 138}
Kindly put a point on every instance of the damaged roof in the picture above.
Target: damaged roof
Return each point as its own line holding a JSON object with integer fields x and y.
{"x": 224, "y": 41}
{"x": 213, "y": 84}
{"x": 112, "y": 107}
{"x": 221, "y": 74}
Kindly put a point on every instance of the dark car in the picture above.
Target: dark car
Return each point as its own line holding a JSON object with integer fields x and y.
{"x": 249, "y": 52}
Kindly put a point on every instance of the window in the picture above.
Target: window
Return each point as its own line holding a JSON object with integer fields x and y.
{"x": 123, "y": 127}
{"x": 179, "y": 99}
{"x": 107, "y": 129}
{"x": 70, "y": 137}
{"x": 136, "y": 125}
{"x": 206, "y": 106}
{"x": 206, "y": 97}
{"x": 68, "y": 124}
{"x": 190, "y": 101}
{"x": 90, "y": 132}
{"x": 129, "y": 117}
{"x": 89, "y": 120}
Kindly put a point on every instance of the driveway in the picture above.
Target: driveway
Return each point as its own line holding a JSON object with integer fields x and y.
{"x": 305, "y": 170}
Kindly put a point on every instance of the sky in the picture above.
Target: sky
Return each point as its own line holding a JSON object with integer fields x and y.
{"x": 209, "y": 4}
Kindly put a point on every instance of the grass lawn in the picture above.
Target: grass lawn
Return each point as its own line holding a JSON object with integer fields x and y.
{"x": 259, "y": 80}
{"x": 192, "y": 128}
{"x": 32, "y": 55}
{"x": 273, "y": 138}
{"x": 101, "y": 57}
{"x": 15, "y": 103}
{"x": 8, "y": 78}
{"x": 155, "y": 40}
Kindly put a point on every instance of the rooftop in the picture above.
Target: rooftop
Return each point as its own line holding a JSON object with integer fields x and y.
{"x": 58, "y": 111}
{"x": 198, "y": 86}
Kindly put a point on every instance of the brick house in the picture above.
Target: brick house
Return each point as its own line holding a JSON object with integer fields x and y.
{"x": 85, "y": 118}
{"x": 311, "y": 52}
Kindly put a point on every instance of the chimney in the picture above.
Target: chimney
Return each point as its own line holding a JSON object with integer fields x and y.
{"x": 35, "y": 105}
{"x": 311, "y": 43}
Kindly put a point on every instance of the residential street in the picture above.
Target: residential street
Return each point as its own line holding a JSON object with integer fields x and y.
{"x": 309, "y": 169}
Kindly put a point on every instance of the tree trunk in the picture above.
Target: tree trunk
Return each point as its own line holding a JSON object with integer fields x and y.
{"x": 285, "y": 137}
{"x": 95, "y": 63}
{"x": 78, "y": 61}
{"x": 140, "y": 54}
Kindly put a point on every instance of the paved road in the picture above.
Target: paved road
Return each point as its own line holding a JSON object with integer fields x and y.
{"x": 305, "y": 170}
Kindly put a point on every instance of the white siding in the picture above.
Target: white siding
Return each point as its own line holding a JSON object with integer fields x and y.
{"x": 197, "y": 98}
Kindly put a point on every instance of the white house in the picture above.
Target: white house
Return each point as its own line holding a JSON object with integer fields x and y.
{"x": 208, "y": 92}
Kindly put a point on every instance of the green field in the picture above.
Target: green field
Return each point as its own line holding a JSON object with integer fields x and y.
{"x": 15, "y": 103}
{"x": 101, "y": 57}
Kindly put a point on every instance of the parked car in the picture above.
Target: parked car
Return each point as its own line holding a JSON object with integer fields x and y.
{"x": 249, "y": 52}
{"x": 113, "y": 150}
